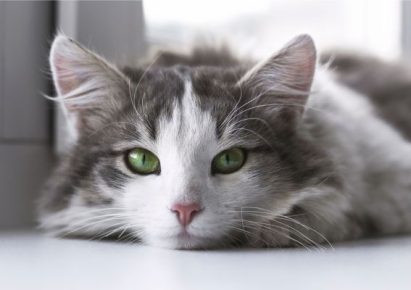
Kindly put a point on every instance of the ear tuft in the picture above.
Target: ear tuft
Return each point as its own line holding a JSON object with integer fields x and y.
{"x": 290, "y": 71}
{"x": 300, "y": 54}
{"x": 74, "y": 66}
{"x": 85, "y": 82}
{"x": 284, "y": 80}
{"x": 62, "y": 51}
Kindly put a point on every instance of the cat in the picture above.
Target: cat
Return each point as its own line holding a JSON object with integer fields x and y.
{"x": 207, "y": 150}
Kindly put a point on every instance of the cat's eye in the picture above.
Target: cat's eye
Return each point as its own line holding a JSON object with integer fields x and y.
{"x": 228, "y": 161}
{"x": 142, "y": 161}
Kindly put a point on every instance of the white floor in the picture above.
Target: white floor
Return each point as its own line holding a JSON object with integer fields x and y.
{"x": 32, "y": 261}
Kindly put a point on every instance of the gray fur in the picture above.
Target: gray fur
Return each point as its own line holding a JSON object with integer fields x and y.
{"x": 388, "y": 85}
{"x": 325, "y": 166}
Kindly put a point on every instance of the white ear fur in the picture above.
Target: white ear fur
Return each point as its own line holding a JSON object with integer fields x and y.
{"x": 83, "y": 80}
{"x": 288, "y": 72}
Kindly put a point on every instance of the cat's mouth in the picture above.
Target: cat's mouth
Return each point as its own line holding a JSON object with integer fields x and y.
{"x": 184, "y": 234}
{"x": 185, "y": 239}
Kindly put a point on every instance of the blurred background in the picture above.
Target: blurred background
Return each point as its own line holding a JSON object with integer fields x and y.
{"x": 32, "y": 129}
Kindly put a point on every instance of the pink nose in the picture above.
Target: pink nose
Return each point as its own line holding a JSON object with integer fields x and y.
{"x": 185, "y": 212}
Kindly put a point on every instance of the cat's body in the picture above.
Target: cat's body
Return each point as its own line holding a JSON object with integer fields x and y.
{"x": 320, "y": 167}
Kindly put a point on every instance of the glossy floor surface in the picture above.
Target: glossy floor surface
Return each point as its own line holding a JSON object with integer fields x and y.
{"x": 32, "y": 261}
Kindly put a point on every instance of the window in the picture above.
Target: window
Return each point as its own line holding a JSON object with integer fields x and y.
{"x": 258, "y": 27}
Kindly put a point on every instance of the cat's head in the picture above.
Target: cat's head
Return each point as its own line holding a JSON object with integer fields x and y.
{"x": 180, "y": 156}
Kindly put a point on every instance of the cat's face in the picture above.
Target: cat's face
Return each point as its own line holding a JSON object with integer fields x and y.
{"x": 186, "y": 142}
{"x": 179, "y": 156}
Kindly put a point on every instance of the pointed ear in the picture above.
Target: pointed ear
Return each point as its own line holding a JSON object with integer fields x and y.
{"x": 87, "y": 86}
{"x": 285, "y": 78}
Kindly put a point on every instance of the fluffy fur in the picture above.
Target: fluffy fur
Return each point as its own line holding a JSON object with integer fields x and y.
{"x": 322, "y": 165}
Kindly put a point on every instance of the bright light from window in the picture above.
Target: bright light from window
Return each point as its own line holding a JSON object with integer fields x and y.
{"x": 261, "y": 26}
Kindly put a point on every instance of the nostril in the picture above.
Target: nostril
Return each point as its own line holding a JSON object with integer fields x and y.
{"x": 185, "y": 212}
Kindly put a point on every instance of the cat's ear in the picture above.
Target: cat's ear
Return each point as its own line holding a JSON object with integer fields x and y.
{"x": 88, "y": 86}
{"x": 285, "y": 78}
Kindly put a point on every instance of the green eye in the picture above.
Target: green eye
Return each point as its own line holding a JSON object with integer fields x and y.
{"x": 142, "y": 161}
{"x": 228, "y": 161}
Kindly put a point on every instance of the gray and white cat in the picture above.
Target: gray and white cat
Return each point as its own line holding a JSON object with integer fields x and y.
{"x": 208, "y": 151}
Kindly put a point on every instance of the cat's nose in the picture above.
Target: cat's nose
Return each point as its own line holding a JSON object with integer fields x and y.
{"x": 186, "y": 212}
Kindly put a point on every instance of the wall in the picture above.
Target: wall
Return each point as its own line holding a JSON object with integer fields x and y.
{"x": 25, "y": 159}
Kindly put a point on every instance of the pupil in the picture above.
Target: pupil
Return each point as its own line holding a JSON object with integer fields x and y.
{"x": 143, "y": 159}
{"x": 227, "y": 158}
